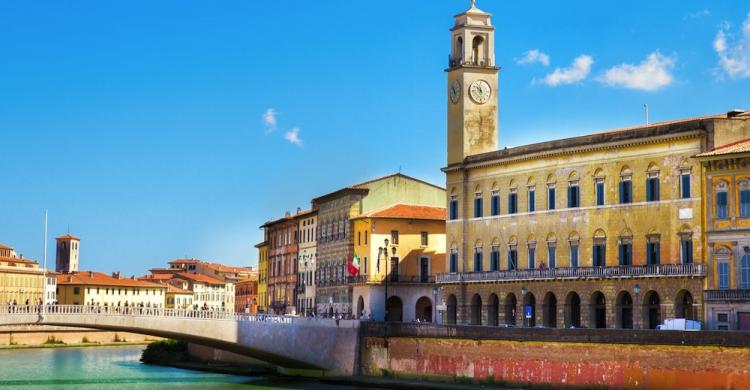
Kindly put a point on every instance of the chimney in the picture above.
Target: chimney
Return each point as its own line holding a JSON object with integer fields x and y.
{"x": 91, "y": 274}
{"x": 116, "y": 275}
{"x": 70, "y": 279}
{"x": 299, "y": 210}
{"x": 132, "y": 277}
{"x": 287, "y": 214}
{"x": 734, "y": 112}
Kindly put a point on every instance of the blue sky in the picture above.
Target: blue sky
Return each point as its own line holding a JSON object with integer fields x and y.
{"x": 144, "y": 125}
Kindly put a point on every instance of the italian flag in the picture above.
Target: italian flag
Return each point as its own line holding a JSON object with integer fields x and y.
{"x": 352, "y": 265}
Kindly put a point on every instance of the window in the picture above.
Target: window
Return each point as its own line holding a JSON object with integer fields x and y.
{"x": 513, "y": 202}
{"x": 599, "y": 188}
{"x": 454, "y": 208}
{"x": 685, "y": 184}
{"x": 532, "y": 199}
{"x": 574, "y": 199}
{"x": 495, "y": 203}
{"x": 745, "y": 199}
{"x": 599, "y": 254}
{"x": 745, "y": 269}
{"x": 551, "y": 197}
{"x": 454, "y": 261}
{"x": 365, "y": 237}
{"x": 574, "y": 255}
{"x": 76, "y": 291}
{"x": 478, "y": 205}
{"x": 626, "y": 190}
{"x": 478, "y": 259}
{"x": 722, "y": 200}
{"x": 652, "y": 252}
{"x": 626, "y": 252}
{"x": 425, "y": 238}
{"x": 686, "y": 250}
{"x": 652, "y": 187}
{"x": 394, "y": 237}
{"x": 722, "y": 317}
{"x": 359, "y": 238}
{"x": 532, "y": 257}
{"x": 512, "y": 258}
{"x": 552, "y": 256}
{"x": 495, "y": 259}
{"x": 723, "y": 275}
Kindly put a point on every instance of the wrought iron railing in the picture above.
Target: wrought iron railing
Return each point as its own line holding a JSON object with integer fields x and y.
{"x": 693, "y": 269}
{"x": 727, "y": 295}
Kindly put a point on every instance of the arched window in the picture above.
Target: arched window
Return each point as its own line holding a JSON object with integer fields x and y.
{"x": 745, "y": 198}
{"x": 531, "y": 199}
{"x": 599, "y": 250}
{"x": 573, "y": 241}
{"x": 453, "y": 266}
{"x": 477, "y": 47}
{"x": 453, "y": 205}
{"x": 626, "y": 185}
{"x": 653, "y": 248}
{"x": 574, "y": 193}
{"x": 513, "y": 199}
{"x": 652, "y": 183}
{"x": 478, "y": 256}
{"x": 551, "y": 181}
{"x": 495, "y": 255}
{"x": 531, "y": 242}
{"x": 478, "y": 203}
{"x": 599, "y": 187}
{"x": 745, "y": 265}
{"x": 551, "y": 250}
{"x": 722, "y": 200}
{"x": 686, "y": 245}
{"x": 459, "y": 49}
{"x": 513, "y": 253}
{"x": 625, "y": 248}
{"x": 495, "y": 200}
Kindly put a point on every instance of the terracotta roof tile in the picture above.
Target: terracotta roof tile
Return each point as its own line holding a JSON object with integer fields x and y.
{"x": 68, "y": 237}
{"x": 407, "y": 211}
{"x": 100, "y": 279}
{"x": 733, "y": 148}
{"x": 177, "y": 290}
{"x": 5, "y": 247}
{"x": 199, "y": 278}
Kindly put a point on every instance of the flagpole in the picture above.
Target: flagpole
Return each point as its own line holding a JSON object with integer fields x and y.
{"x": 44, "y": 282}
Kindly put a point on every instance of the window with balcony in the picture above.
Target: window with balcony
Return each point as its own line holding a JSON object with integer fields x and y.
{"x": 723, "y": 275}
{"x": 532, "y": 257}
{"x": 599, "y": 188}
{"x": 478, "y": 205}
{"x": 454, "y": 261}
{"x": 652, "y": 186}
{"x": 495, "y": 203}
{"x": 745, "y": 199}
{"x": 599, "y": 255}
{"x": 552, "y": 256}
{"x": 478, "y": 259}
{"x": 551, "y": 197}
{"x": 574, "y": 193}
{"x": 626, "y": 186}
{"x": 686, "y": 249}
{"x": 722, "y": 201}
{"x": 626, "y": 251}
{"x": 685, "y": 184}
{"x": 574, "y": 255}
{"x": 453, "y": 208}
{"x": 513, "y": 201}
{"x": 394, "y": 237}
{"x": 745, "y": 272}
{"x": 532, "y": 199}
{"x": 512, "y": 258}
{"x": 495, "y": 258}
{"x": 652, "y": 250}
{"x": 424, "y": 238}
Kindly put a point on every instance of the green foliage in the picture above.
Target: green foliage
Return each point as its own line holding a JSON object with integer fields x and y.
{"x": 51, "y": 340}
{"x": 165, "y": 352}
{"x": 118, "y": 339}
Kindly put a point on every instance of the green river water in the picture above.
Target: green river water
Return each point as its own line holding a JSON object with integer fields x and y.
{"x": 119, "y": 368}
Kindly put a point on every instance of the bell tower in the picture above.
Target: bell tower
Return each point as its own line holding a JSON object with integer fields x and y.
{"x": 66, "y": 259}
{"x": 472, "y": 86}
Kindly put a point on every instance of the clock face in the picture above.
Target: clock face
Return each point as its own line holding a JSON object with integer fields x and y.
{"x": 455, "y": 91}
{"x": 480, "y": 91}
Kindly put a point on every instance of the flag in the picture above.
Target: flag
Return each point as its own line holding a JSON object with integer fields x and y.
{"x": 352, "y": 265}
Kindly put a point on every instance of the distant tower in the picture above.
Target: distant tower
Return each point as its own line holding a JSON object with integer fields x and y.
{"x": 472, "y": 86}
{"x": 66, "y": 260}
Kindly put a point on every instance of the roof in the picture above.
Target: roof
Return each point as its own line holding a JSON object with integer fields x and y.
{"x": 18, "y": 260}
{"x": 177, "y": 290}
{"x": 5, "y": 247}
{"x": 262, "y": 244}
{"x": 407, "y": 211}
{"x": 683, "y": 127}
{"x": 199, "y": 278}
{"x": 361, "y": 188}
{"x": 184, "y": 261}
{"x": 100, "y": 279}
{"x": 742, "y": 146}
{"x": 156, "y": 277}
{"x": 68, "y": 236}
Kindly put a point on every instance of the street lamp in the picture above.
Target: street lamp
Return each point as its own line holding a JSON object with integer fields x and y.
{"x": 384, "y": 251}
{"x": 523, "y": 305}
{"x": 637, "y": 291}
{"x": 435, "y": 292}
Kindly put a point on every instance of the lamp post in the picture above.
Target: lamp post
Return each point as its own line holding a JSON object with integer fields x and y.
{"x": 637, "y": 291}
{"x": 435, "y": 292}
{"x": 384, "y": 251}
{"x": 523, "y": 306}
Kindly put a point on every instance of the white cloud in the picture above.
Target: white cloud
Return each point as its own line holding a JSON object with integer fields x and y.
{"x": 577, "y": 71}
{"x": 293, "y": 137}
{"x": 734, "y": 57}
{"x": 534, "y": 56}
{"x": 653, "y": 73}
{"x": 269, "y": 119}
{"x": 697, "y": 14}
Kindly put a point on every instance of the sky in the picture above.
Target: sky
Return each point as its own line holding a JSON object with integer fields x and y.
{"x": 160, "y": 130}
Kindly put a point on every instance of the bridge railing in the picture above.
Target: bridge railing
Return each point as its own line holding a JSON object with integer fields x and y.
{"x": 141, "y": 312}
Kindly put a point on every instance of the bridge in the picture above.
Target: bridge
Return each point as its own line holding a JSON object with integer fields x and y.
{"x": 307, "y": 345}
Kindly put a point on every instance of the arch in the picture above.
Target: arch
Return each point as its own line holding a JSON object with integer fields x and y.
{"x": 476, "y": 310}
{"x": 460, "y": 48}
{"x": 599, "y": 173}
{"x": 624, "y": 312}
{"x": 529, "y": 301}
{"x": 513, "y": 240}
{"x": 652, "y": 168}
{"x": 360, "y": 308}
{"x": 531, "y": 238}
{"x": 573, "y": 236}
{"x": 423, "y": 310}
{"x": 478, "y": 189}
{"x": 626, "y": 171}
{"x": 600, "y": 234}
{"x": 477, "y": 48}
{"x": 573, "y": 176}
{"x": 493, "y": 309}
{"x": 683, "y": 305}
{"x": 495, "y": 187}
{"x": 495, "y": 241}
{"x": 626, "y": 233}
{"x": 451, "y": 305}
{"x": 598, "y": 310}
{"x": 572, "y": 310}
{"x": 530, "y": 181}
{"x": 513, "y": 185}
{"x": 551, "y": 179}
{"x": 550, "y": 310}
{"x": 395, "y": 309}
{"x": 454, "y": 192}
{"x": 651, "y": 309}
{"x": 551, "y": 237}
{"x": 510, "y": 309}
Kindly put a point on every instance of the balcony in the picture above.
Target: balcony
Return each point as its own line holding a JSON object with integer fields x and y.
{"x": 727, "y": 296}
{"x": 644, "y": 271}
{"x": 376, "y": 279}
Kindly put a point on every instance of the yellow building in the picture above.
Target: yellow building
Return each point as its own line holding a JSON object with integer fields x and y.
{"x": 262, "y": 277}
{"x": 95, "y": 288}
{"x": 21, "y": 280}
{"x": 727, "y": 215}
{"x": 414, "y": 254}
{"x": 601, "y": 231}
{"x": 178, "y": 298}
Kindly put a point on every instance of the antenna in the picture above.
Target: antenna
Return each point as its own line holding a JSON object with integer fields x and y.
{"x": 44, "y": 285}
{"x": 645, "y": 112}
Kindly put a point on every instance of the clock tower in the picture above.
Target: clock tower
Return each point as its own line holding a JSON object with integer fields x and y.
{"x": 472, "y": 86}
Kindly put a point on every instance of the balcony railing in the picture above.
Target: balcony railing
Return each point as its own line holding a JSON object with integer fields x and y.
{"x": 644, "y": 271}
{"x": 727, "y": 295}
{"x": 376, "y": 279}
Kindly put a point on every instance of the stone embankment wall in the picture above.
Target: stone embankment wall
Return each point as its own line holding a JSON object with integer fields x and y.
{"x": 559, "y": 357}
{"x": 39, "y": 334}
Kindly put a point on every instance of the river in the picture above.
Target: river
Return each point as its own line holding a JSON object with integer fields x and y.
{"x": 119, "y": 368}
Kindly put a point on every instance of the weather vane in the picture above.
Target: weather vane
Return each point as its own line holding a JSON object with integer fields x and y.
{"x": 473, "y": 3}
